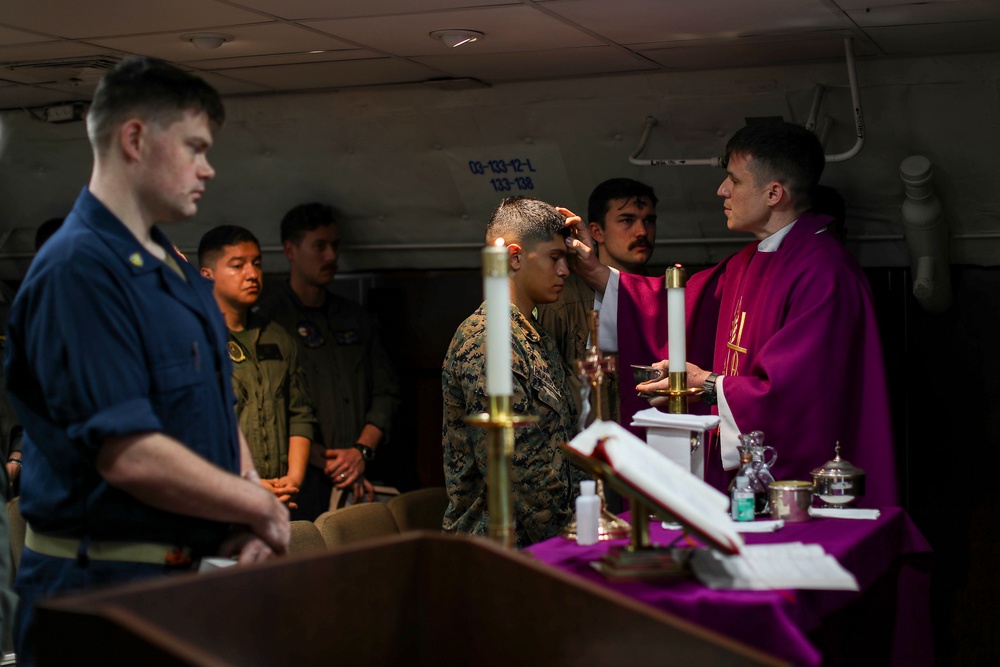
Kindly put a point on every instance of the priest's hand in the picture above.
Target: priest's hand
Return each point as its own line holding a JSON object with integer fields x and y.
{"x": 581, "y": 244}
{"x": 696, "y": 377}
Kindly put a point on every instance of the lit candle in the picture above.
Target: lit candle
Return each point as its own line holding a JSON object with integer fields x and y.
{"x": 677, "y": 341}
{"x": 496, "y": 288}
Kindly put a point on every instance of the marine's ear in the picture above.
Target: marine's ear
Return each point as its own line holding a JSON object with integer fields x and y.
{"x": 514, "y": 251}
{"x": 207, "y": 273}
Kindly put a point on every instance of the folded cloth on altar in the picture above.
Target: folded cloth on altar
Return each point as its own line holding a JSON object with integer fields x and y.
{"x": 661, "y": 482}
{"x": 742, "y": 526}
{"x": 653, "y": 417}
{"x": 759, "y": 526}
{"x": 844, "y": 513}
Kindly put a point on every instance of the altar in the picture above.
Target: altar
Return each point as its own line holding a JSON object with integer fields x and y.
{"x": 886, "y": 623}
{"x": 413, "y": 599}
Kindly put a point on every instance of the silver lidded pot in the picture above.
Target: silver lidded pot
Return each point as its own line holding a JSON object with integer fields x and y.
{"x": 838, "y": 483}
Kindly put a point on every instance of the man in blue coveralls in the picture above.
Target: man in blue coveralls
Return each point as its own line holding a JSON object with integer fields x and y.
{"x": 116, "y": 362}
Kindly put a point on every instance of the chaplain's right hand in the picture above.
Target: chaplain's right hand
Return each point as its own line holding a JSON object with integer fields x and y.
{"x": 581, "y": 246}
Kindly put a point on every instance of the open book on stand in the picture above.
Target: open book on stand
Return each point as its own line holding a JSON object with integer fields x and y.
{"x": 635, "y": 470}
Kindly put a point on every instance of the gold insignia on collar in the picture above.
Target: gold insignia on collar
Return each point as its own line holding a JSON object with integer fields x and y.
{"x": 236, "y": 352}
{"x": 136, "y": 259}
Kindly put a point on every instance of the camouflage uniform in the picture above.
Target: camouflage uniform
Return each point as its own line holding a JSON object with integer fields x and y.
{"x": 544, "y": 483}
{"x": 568, "y": 322}
{"x": 272, "y": 397}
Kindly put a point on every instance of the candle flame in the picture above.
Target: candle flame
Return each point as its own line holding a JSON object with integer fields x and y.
{"x": 499, "y": 243}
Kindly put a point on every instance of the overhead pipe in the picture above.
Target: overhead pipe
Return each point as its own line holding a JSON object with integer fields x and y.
{"x": 926, "y": 233}
{"x": 859, "y": 126}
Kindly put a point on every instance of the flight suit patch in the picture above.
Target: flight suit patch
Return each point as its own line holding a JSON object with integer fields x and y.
{"x": 349, "y": 337}
{"x": 269, "y": 352}
{"x": 309, "y": 333}
{"x": 236, "y": 352}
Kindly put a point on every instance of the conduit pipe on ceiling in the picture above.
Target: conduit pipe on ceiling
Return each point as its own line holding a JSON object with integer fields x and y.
{"x": 859, "y": 127}
{"x": 926, "y": 233}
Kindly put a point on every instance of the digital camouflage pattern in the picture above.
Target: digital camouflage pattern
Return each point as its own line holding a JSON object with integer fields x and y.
{"x": 544, "y": 483}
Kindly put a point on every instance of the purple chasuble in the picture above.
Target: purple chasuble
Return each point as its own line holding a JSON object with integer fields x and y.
{"x": 795, "y": 333}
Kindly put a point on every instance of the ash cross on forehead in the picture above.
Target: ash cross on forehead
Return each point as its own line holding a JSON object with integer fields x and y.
{"x": 640, "y": 202}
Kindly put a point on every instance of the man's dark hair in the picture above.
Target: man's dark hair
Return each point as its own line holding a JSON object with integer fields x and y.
{"x": 615, "y": 188}
{"x": 150, "y": 89}
{"x": 783, "y": 152}
{"x": 46, "y": 230}
{"x": 305, "y": 218}
{"x": 526, "y": 221}
{"x": 219, "y": 238}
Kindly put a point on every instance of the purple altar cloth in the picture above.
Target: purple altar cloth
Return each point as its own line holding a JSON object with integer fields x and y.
{"x": 878, "y": 553}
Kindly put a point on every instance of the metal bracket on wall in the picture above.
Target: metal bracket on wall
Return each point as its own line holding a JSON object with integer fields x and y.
{"x": 859, "y": 126}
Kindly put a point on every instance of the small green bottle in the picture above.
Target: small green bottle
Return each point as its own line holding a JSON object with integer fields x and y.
{"x": 742, "y": 494}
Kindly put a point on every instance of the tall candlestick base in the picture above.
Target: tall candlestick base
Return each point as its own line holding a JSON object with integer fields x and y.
{"x": 499, "y": 423}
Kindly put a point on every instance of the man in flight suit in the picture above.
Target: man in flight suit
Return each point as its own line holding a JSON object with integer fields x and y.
{"x": 353, "y": 385}
{"x": 273, "y": 405}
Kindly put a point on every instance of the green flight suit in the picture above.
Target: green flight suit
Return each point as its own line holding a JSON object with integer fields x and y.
{"x": 273, "y": 401}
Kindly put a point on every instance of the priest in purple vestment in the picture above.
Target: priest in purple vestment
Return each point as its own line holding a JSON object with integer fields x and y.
{"x": 782, "y": 335}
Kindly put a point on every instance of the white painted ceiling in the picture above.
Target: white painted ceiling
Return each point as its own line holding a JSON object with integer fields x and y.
{"x": 55, "y": 50}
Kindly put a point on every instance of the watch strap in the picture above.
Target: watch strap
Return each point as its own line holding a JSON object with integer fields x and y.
{"x": 708, "y": 394}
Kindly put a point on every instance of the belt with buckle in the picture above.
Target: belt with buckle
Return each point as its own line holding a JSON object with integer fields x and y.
{"x": 129, "y": 552}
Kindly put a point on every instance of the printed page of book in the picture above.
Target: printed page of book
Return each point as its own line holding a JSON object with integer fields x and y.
{"x": 774, "y": 566}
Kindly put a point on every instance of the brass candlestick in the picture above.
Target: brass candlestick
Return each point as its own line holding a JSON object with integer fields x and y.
{"x": 593, "y": 370}
{"x": 499, "y": 423}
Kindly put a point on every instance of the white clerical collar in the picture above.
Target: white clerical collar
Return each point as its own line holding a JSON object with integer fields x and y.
{"x": 773, "y": 242}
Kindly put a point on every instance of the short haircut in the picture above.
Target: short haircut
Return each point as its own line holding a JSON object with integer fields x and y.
{"x": 615, "y": 188}
{"x": 218, "y": 238}
{"x": 152, "y": 90}
{"x": 783, "y": 152}
{"x": 526, "y": 221}
{"x": 305, "y": 218}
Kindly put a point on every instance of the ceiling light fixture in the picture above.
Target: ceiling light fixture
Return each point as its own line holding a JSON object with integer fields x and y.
{"x": 207, "y": 40}
{"x": 456, "y": 38}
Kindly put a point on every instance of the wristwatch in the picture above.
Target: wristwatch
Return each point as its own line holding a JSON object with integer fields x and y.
{"x": 708, "y": 395}
{"x": 367, "y": 453}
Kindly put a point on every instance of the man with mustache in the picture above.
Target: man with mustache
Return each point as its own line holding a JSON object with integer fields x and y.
{"x": 544, "y": 483}
{"x": 353, "y": 386}
{"x": 622, "y": 215}
{"x": 273, "y": 405}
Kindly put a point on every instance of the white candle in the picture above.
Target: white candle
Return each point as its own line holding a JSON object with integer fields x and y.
{"x": 677, "y": 341}
{"x": 496, "y": 289}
